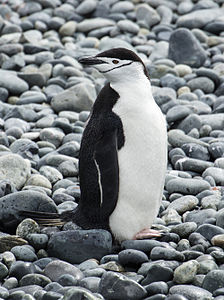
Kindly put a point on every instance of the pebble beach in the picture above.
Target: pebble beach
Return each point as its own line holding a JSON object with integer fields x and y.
{"x": 45, "y": 100}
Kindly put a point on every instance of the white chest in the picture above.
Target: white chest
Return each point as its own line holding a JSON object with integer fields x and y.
{"x": 142, "y": 161}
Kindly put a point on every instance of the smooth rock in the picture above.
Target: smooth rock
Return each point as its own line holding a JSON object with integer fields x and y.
{"x": 187, "y": 186}
{"x": 75, "y": 246}
{"x": 209, "y": 231}
{"x": 77, "y": 98}
{"x": 186, "y": 272}
{"x": 184, "y": 48}
{"x": 213, "y": 280}
{"x": 114, "y": 286}
{"x": 194, "y": 292}
{"x": 56, "y": 268}
{"x": 12, "y": 83}
{"x": 25, "y": 200}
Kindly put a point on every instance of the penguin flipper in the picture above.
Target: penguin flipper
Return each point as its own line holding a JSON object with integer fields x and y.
{"x": 106, "y": 161}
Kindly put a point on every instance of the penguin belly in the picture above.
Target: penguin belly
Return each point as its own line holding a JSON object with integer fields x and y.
{"x": 142, "y": 166}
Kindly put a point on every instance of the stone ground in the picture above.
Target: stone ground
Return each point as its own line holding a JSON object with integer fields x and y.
{"x": 45, "y": 99}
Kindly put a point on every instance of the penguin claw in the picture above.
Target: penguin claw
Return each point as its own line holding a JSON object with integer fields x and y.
{"x": 147, "y": 233}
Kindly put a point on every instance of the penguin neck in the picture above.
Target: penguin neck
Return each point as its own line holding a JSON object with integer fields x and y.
{"x": 134, "y": 88}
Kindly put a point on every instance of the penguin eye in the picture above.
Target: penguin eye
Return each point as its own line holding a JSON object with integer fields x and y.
{"x": 115, "y": 61}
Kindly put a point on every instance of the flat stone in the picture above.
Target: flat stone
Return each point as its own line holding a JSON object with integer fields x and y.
{"x": 146, "y": 15}
{"x": 24, "y": 253}
{"x": 79, "y": 293}
{"x": 216, "y": 173}
{"x": 200, "y": 216}
{"x": 156, "y": 273}
{"x": 194, "y": 292}
{"x": 9, "y": 241}
{"x": 184, "y": 229}
{"x": 184, "y": 48}
{"x": 77, "y": 98}
{"x": 75, "y": 246}
{"x": 25, "y": 200}
{"x": 203, "y": 83}
{"x": 216, "y": 121}
{"x": 94, "y": 23}
{"x": 177, "y": 113}
{"x": 131, "y": 257}
{"x": 12, "y": 83}
{"x": 37, "y": 279}
{"x": 209, "y": 231}
{"x": 56, "y": 268}
{"x": 52, "y": 135}
{"x": 166, "y": 254}
{"x": 114, "y": 286}
{"x": 86, "y": 7}
{"x": 14, "y": 168}
{"x": 187, "y": 186}
{"x": 186, "y": 272}
{"x": 194, "y": 165}
{"x": 213, "y": 280}
{"x": 199, "y": 18}
{"x": 177, "y": 138}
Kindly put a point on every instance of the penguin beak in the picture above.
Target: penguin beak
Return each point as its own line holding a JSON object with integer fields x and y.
{"x": 90, "y": 61}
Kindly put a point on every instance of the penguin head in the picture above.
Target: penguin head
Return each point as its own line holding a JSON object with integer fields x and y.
{"x": 117, "y": 64}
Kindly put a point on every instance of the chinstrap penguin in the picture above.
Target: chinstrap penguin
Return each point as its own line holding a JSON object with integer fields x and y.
{"x": 123, "y": 153}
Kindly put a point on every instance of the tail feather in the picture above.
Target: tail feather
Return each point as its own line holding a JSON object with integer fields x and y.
{"x": 43, "y": 218}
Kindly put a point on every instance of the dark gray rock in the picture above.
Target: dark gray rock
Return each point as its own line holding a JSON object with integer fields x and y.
{"x": 55, "y": 269}
{"x": 184, "y": 48}
{"x": 199, "y": 18}
{"x": 209, "y": 230}
{"x": 21, "y": 268}
{"x": 38, "y": 240}
{"x": 67, "y": 280}
{"x": 37, "y": 279}
{"x": 114, "y": 285}
{"x": 187, "y": 186}
{"x": 177, "y": 113}
{"x": 196, "y": 151}
{"x": 203, "y": 83}
{"x": 213, "y": 280}
{"x": 194, "y": 292}
{"x": 166, "y": 254}
{"x": 157, "y": 273}
{"x": 12, "y": 83}
{"x": 90, "y": 283}
{"x": 141, "y": 245}
{"x": 24, "y": 253}
{"x": 132, "y": 258}
{"x": 200, "y": 216}
{"x": 75, "y": 246}
{"x": 25, "y": 200}
{"x": 78, "y": 293}
{"x": 191, "y": 164}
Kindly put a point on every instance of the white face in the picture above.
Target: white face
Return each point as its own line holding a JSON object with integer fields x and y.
{"x": 116, "y": 70}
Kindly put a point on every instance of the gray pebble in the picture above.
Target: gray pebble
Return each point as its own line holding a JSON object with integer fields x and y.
{"x": 112, "y": 286}
{"x": 184, "y": 48}
{"x": 57, "y": 268}
{"x": 96, "y": 243}
{"x": 187, "y": 186}
{"x": 24, "y": 253}
{"x": 196, "y": 293}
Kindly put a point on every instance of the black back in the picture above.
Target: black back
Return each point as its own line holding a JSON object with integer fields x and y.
{"x": 102, "y": 137}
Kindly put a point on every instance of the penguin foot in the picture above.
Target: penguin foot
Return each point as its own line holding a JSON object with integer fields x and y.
{"x": 147, "y": 233}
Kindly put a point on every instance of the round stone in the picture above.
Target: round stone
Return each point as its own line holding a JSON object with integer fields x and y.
{"x": 186, "y": 272}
